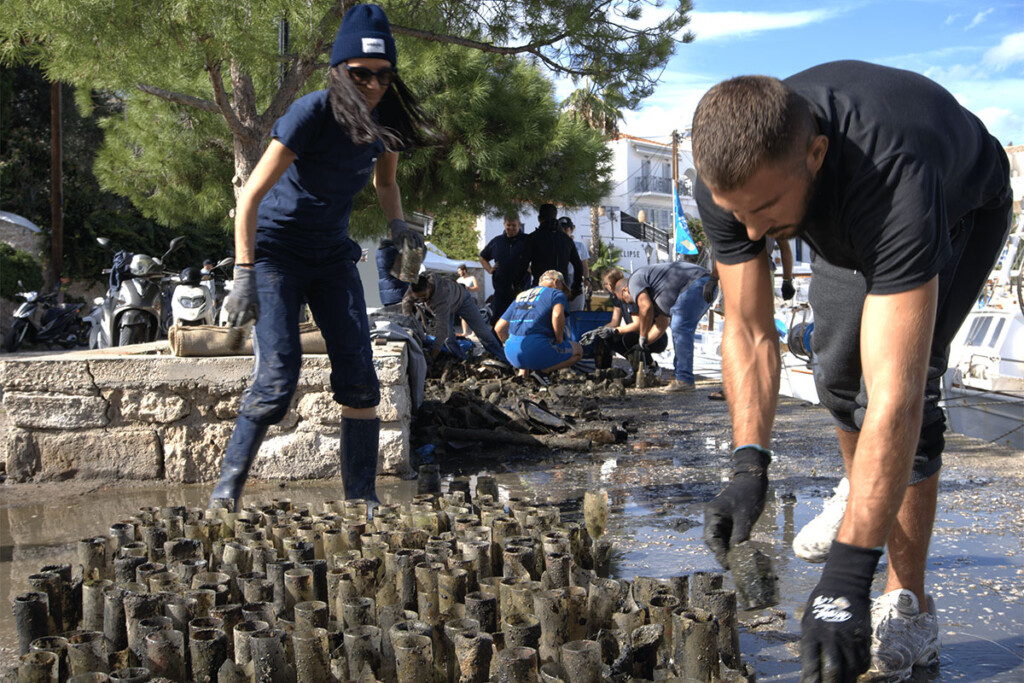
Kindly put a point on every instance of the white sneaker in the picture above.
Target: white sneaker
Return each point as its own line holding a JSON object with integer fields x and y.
{"x": 902, "y": 636}
{"x": 815, "y": 540}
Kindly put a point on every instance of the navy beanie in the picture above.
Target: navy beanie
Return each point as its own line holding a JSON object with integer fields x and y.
{"x": 364, "y": 32}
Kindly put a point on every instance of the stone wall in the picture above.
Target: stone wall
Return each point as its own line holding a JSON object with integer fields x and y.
{"x": 116, "y": 416}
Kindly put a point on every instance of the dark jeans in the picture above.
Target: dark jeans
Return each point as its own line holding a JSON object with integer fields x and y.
{"x": 330, "y": 284}
{"x": 837, "y": 299}
{"x": 686, "y": 312}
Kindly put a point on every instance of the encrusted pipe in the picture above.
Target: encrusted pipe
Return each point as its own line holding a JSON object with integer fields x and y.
{"x": 358, "y": 612}
{"x": 58, "y": 645}
{"x": 581, "y": 660}
{"x": 483, "y": 607}
{"x": 362, "y": 647}
{"x": 50, "y": 584}
{"x": 243, "y": 639}
{"x": 522, "y": 630}
{"x": 517, "y": 665}
{"x": 209, "y": 649}
{"x": 660, "y": 610}
{"x": 701, "y": 583}
{"x": 31, "y": 618}
{"x": 115, "y": 630}
{"x": 551, "y": 608}
{"x": 298, "y": 587}
{"x": 92, "y": 557}
{"x": 474, "y": 657}
{"x": 312, "y": 663}
{"x": 413, "y": 658}
{"x": 268, "y": 657}
{"x": 133, "y": 674}
{"x": 696, "y": 644}
{"x": 86, "y": 652}
{"x": 38, "y": 667}
{"x": 275, "y": 574}
{"x": 722, "y": 605}
{"x": 602, "y": 599}
{"x": 311, "y": 614}
{"x": 165, "y": 654}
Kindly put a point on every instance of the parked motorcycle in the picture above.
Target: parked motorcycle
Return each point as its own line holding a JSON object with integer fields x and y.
{"x": 192, "y": 301}
{"x": 41, "y": 320}
{"x": 131, "y": 308}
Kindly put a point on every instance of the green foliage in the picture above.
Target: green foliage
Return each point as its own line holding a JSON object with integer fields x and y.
{"x": 18, "y": 265}
{"x": 455, "y": 234}
{"x": 607, "y": 256}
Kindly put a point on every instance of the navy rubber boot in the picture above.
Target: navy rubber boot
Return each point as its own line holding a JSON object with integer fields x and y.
{"x": 360, "y": 444}
{"x": 242, "y": 448}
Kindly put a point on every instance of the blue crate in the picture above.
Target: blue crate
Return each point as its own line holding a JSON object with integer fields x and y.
{"x": 581, "y": 322}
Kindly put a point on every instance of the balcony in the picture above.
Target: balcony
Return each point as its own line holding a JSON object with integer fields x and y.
{"x": 651, "y": 184}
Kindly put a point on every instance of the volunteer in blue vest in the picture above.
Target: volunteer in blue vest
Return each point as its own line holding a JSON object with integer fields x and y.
{"x": 292, "y": 244}
{"x": 533, "y": 327}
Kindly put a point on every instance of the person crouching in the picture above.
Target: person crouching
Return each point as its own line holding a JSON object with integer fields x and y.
{"x": 533, "y": 327}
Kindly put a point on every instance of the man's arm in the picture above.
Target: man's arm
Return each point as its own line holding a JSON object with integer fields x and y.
{"x": 385, "y": 181}
{"x": 645, "y": 316}
{"x": 558, "y": 322}
{"x": 896, "y": 334}
{"x": 616, "y": 318}
{"x": 750, "y": 351}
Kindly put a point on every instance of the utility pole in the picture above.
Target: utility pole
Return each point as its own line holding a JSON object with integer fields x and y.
{"x": 56, "y": 191}
{"x": 675, "y": 189}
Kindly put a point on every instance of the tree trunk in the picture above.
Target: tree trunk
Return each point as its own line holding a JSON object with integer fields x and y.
{"x": 595, "y": 232}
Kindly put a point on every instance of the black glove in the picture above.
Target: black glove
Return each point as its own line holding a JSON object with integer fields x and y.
{"x": 788, "y": 290}
{"x": 398, "y": 228}
{"x": 836, "y": 643}
{"x": 729, "y": 517}
{"x": 710, "y": 290}
{"x": 243, "y": 303}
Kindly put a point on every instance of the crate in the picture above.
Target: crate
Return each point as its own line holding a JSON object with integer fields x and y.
{"x": 581, "y": 322}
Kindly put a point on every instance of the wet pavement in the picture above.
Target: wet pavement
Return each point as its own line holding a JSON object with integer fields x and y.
{"x": 657, "y": 482}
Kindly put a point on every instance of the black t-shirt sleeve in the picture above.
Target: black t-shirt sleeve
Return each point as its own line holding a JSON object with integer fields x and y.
{"x": 728, "y": 236}
{"x": 488, "y": 251}
{"x": 896, "y": 226}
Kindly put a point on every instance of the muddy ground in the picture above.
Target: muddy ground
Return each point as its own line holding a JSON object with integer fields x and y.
{"x": 672, "y": 462}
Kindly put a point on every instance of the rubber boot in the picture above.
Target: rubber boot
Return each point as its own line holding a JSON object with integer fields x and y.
{"x": 242, "y": 448}
{"x": 360, "y": 444}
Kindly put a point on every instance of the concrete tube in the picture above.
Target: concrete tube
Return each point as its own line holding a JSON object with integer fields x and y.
{"x": 474, "y": 657}
{"x": 414, "y": 658}
{"x": 427, "y": 599}
{"x": 50, "y": 584}
{"x": 483, "y": 607}
{"x": 602, "y": 598}
{"x": 312, "y": 663}
{"x": 125, "y": 566}
{"x": 581, "y": 660}
{"x": 451, "y": 590}
{"x": 319, "y": 569}
{"x": 144, "y": 628}
{"x": 92, "y": 557}
{"x": 696, "y": 644}
{"x": 268, "y": 657}
{"x": 230, "y": 616}
{"x": 522, "y": 630}
{"x": 134, "y": 674}
{"x": 31, "y": 618}
{"x": 209, "y": 649}
{"x": 58, "y": 645}
{"x": 722, "y": 605}
{"x": 38, "y": 667}
{"x": 165, "y": 654}
{"x": 701, "y": 583}
{"x": 71, "y": 593}
{"x": 139, "y": 605}
{"x": 86, "y": 653}
{"x": 311, "y": 614}
{"x": 559, "y": 570}
{"x": 466, "y": 627}
{"x": 242, "y": 637}
{"x": 517, "y": 665}
{"x": 115, "y": 627}
{"x": 358, "y": 612}
{"x": 551, "y": 608}
{"x": 579, "y": 612}
{"x": 362, "y": 647}
{"x": 120, "y": 534}
{"x": 298, "y": 587}
{"x": 275, "y": 574}
{"x": 259, "y": 611}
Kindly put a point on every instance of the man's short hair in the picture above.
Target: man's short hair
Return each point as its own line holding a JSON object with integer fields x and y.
{"x": 744, "y": 123}
{"x": 547, "y": 212}
{"x": 510, "y": 217}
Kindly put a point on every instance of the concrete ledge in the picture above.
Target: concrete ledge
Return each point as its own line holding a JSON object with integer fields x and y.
{"x": 139, "y": 413}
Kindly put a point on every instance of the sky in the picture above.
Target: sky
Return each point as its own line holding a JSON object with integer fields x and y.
{"x": 973, "y": 48}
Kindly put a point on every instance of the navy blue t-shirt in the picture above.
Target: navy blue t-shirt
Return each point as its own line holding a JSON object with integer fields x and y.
{"x": 509, "y": 255}
{"x": 309, "y": 206}
{"x": 530, "y": 313}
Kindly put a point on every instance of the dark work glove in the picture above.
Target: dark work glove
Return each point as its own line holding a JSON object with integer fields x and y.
{"x": 729, "y": 517}
{"x": 788, "y": 290}
{"x": 607, "y": 332}
{"x": 835, "y": 646}
{"x": 398, "y": 227}
{"x": 243, "y": 303}
{"x": 710, "y": 290}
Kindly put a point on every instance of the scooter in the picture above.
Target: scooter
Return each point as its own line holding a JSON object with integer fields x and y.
{"x": 131, "y": 308}
{"x": 192, "y": 300}
{"x": 41, "y": 320}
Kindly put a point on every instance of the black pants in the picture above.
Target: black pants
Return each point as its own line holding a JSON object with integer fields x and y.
{"x": 623, "y": 343}
{"x": 837, "y": 299}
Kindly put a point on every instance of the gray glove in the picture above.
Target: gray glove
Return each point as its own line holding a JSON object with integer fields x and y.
{"x": 243, "y": 303}
{"x": 398, "y": 228}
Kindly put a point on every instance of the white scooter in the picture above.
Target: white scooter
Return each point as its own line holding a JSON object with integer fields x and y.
{"x": 192, "y": 300}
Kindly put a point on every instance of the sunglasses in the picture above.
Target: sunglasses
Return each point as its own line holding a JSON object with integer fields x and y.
{"x": 361, "y": 75}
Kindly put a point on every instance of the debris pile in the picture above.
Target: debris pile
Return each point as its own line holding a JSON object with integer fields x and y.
{"x": 453, "y": 587}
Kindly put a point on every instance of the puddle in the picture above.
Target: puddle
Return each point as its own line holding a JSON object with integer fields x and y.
{"x": 976, "y": 570}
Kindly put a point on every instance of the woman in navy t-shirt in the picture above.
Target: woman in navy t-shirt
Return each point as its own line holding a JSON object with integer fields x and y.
{"x": 292, "y": 245}
{"x": 533, "y": 327}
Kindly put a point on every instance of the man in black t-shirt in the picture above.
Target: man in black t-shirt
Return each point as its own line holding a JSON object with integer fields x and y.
{"x": 904, "y": 197}
{"x": 508, "y": 272}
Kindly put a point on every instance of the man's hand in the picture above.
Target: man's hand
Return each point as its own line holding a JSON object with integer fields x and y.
{"x": 788, "y": 290}
{"x": 400, "y": 230}
{"x": 729, "y": 517}
{"x": 243, "y": 303}
{"x": 710, "y": 290}
{"x": 835, "y": 646}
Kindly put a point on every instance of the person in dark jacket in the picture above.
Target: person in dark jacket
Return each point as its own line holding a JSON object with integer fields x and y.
{"x": 552, "y": 249}
{"x": 504, "y": 258}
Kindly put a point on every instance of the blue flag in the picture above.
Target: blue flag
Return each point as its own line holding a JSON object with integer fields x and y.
{"x": 684, "y": 243}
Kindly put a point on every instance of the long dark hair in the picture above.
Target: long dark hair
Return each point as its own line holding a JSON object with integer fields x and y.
{"x": 401, "y": 122}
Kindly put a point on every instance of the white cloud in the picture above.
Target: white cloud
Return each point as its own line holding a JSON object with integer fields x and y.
{"x": 978, "y": 18}
{"x": 1009, "y": 51}
{"x": 951, "y": 18}
{"x": 716, "y": 25}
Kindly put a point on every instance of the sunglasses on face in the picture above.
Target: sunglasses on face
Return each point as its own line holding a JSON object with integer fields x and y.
{"x": 361, "y": 75}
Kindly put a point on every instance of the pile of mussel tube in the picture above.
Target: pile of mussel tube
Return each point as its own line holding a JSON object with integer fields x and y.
{"x": 447, "y": 587}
